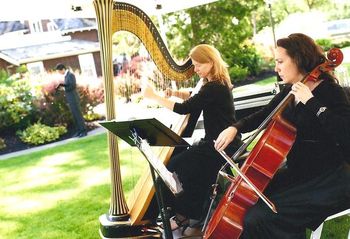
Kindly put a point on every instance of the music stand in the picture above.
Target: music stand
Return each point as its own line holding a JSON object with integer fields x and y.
{"x": 156, "y": 133}
{"x": 151, "y": 132}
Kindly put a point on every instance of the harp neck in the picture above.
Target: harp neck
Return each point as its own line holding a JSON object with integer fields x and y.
{"x": 129, "y": 18}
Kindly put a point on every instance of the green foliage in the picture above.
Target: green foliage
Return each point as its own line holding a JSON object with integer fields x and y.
{"x": 25, "y": 100}
{"x": 238, "y": 73}
{"x": 89, "y": 98}
{"x": 125, "y": 42}
{"x": 327, "y": 44}
{"x": 193, "y": 26}
{"x": 336, "y": 9}
{"x": 15, "y": 102}
{"x": 2, "y": 144}
{"x": 3, "y": 76}
{"x": 227, "y": 31}
{"x": 52, "y": 109}
{"x": 21, "y": 69}
{"x": 91, "y": 116}
{"x": 39, "y": 133}
{"x": 247, "y": 57}
{"x": 282, "y": 8}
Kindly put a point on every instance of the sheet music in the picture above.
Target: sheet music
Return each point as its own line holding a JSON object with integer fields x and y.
{"x": 170, "y": 179}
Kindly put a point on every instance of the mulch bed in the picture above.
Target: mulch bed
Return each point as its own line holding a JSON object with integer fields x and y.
{"x": 14, "y": 144}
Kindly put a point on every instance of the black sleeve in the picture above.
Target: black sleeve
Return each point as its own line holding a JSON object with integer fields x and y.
{"x": 336, "y": 118}
{"x": 252, "y": 122}
{"x": 199, "y": 101}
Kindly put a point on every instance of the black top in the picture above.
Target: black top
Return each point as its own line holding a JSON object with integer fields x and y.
{"x": 322, "y": 142}
{"x": 69, "y": 82}
{"x": 216, "y": 101}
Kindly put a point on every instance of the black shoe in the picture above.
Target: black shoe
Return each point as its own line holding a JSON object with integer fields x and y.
{"x": 82, "y": 134}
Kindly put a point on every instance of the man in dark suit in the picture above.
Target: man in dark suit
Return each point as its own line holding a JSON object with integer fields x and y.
{"x": 72, "y": 98}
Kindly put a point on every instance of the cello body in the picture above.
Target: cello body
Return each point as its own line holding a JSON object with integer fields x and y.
{"x": 260, "y": 166}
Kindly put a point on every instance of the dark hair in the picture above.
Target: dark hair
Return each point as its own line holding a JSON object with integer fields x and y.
{"x": 60, "y": 66}
{"x": 306, "y": 54}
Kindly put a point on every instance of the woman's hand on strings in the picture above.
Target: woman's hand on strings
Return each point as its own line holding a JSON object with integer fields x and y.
{"x": 148, "y": 91}
{"x": 225, "y": 137}
{"x": 301, "y": 92}
{"x": 168, "y": 92}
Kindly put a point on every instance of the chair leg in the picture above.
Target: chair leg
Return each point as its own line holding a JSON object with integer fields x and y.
{"x": 317, "y": 233}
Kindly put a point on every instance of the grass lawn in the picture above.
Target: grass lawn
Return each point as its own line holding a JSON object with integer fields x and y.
{"x": 61, "y": 192}
{"x": 268, "y": 81}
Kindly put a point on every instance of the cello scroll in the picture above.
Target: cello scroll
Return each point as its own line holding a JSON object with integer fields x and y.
{"x": 335, "y": 58}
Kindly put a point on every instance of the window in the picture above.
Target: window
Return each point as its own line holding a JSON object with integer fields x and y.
{"x": 87, "y": 65}
{"x": 35, "y": 26}
{"x": 36, "y": 68}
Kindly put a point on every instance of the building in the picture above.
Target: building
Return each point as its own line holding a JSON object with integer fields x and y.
{"x": 40, "y": 45}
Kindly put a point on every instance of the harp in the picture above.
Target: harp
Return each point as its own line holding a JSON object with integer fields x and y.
{"x": 112, "y": 17}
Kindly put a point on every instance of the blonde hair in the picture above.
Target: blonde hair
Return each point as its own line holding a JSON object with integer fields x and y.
{"x": 204, "y": 53}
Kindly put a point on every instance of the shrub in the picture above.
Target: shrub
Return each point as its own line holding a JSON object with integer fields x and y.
{"x": 238, "y": 73}
{"x": 90, "y": 97}
{"x": 327, "y": 44}
{"x": 2, "y": 144}
{"x": 252, "y": 60}
{"x": 39, "y": 133}
{"x": 127, "y": 84}
{"x": 15, "y": 102}
{"x": 3, "y": 76}
{"x": 52, "y": 108}
{"x": 21, "y": 69}
{"x": 245, "y": 62}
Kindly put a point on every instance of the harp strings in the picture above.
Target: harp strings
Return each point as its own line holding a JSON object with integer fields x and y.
{"x": 113, "y": 17}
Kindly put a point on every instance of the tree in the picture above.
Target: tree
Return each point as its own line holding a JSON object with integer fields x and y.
{"x": 312, "y": 4}
{"x": 225, "y": 24}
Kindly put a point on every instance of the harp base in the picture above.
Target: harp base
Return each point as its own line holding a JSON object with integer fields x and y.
{"x": 123, "y": 229}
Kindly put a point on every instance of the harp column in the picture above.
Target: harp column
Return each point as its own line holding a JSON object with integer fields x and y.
{"x": 118, "y": 210}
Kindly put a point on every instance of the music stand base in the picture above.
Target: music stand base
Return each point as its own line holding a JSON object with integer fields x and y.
{"x": 123, "y": 229}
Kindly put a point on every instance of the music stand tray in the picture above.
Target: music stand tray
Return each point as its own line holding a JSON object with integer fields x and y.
{"x": 151, "y": 129}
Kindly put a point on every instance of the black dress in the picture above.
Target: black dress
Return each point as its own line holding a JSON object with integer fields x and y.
{"x": 316, "y": 180}
{"x": 197, "y": 167}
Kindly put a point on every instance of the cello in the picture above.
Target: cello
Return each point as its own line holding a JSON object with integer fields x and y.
{"x": 261, "y": 165}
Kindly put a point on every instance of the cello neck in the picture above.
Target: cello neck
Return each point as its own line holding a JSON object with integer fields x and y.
{"x": 274, "y": 113}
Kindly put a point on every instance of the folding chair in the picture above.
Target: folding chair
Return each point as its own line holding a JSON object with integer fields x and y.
{"x": 317, "y": 233}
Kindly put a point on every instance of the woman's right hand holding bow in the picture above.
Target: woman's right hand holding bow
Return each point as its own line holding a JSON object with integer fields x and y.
{"x": 225, "y": 138}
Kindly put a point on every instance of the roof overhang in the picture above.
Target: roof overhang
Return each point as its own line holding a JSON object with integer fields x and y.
{"x": 28, "y": 54}
{"x": 50, "y": 9}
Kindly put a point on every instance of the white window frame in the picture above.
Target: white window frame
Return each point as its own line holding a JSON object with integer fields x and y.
{"x": 36, "y": 68}
{"x": 87, "y": 65}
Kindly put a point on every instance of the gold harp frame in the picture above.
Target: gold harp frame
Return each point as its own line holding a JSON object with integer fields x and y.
{"x": 112, "y": 17}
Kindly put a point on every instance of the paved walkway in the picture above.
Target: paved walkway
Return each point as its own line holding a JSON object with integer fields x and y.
{"x": 96, "y": 131}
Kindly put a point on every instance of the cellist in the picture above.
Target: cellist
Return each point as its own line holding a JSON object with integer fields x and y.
{"x": 315, "y": 181}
